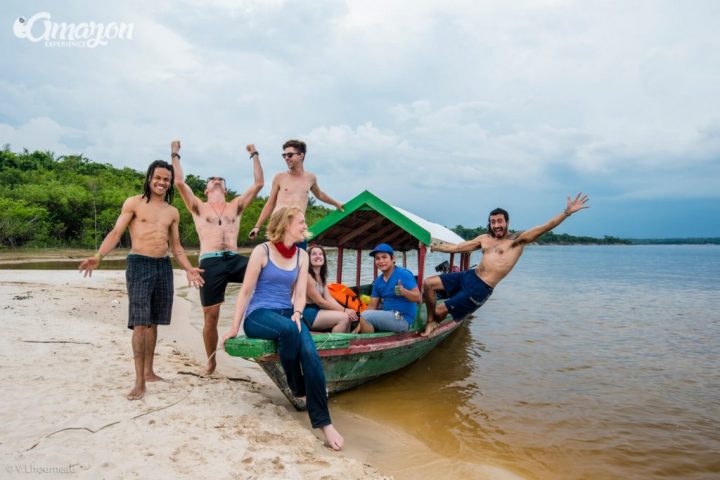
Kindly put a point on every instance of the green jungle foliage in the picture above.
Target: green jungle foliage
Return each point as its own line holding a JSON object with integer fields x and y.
{"x": 71, "y": 201}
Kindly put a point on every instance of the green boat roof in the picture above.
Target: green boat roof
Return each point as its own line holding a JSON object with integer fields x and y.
{"x": 369, "y": 220}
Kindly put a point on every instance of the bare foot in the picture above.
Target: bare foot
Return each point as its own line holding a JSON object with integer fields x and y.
{"x": 136, "y": 393}
{"x": 152, "y": 377}
{"x": 431, "y": 327}
{"x": 210, "y": 368}
{"x": 333, "y": 439}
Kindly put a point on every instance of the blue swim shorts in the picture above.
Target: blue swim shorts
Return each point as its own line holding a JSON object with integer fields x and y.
{"x": 466, "y": 292}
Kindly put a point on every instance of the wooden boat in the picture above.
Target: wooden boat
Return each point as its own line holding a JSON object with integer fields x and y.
{"x": 353, "y": 359}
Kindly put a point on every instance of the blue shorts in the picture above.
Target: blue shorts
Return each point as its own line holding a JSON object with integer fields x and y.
{"x": 310, "y": 313}
{"x": 466, "y": 292}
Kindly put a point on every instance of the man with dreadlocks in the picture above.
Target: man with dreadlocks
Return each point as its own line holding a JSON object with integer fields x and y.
{"x": 153, "y": 224}
{"x": 468, "y": 291}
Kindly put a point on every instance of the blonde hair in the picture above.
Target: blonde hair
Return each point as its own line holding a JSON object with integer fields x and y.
{"x": 279, "y": 222}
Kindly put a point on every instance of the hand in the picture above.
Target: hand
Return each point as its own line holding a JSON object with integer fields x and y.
{"x": 251, "y": 148}
{"x": 194, "y": 278}
{"x": 577, "y": 204}
{"x": 399, "y": 289}
{"x": 297, "y": 318}
{"x": 253, "y": 233}
{"x": 341, "y": 207}
{"x": 88, "y": 265}
{"x": 352, "y": 314}
{"x": 175, "y": 146}
{"x": 225, "y": 337}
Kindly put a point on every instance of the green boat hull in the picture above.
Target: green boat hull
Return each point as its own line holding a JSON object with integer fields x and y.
{"x": 348, "y": 360}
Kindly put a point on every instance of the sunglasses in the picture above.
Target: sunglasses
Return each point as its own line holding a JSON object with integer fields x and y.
{"x": 210, "y": 179}
{"x": 289, "y": 154}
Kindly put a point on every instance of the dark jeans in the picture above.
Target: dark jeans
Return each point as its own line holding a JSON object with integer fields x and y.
{"x": 298, "y": 357}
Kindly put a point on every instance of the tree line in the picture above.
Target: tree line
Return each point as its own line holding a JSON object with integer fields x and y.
{"x": 71, "y": 201}
{"x": 548, "y": 238}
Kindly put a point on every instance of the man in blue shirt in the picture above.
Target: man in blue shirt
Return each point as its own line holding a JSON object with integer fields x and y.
{"x": 397, "y": 289}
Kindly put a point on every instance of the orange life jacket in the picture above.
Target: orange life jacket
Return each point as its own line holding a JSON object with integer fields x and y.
{"x": 346, "y": 297}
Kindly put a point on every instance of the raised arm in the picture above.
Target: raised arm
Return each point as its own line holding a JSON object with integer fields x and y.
{"x": 111, "y": 239}
{"x": 191, "y": 201}
{"x": 324, "y": 197}
{"x": 267, "y": 209}
{"x": 573, "y": 205}
{"x": 259, "y": 180}
{"x": 466, "y": 246}
{"x": 193, "y": 274}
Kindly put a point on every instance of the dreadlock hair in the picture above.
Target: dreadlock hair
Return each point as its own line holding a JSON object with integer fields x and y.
{"x": 170, "y": 193}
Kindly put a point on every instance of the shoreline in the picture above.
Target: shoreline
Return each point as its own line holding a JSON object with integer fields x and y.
{"x": 250, "y": 426}
{"x": 68, "y": 366}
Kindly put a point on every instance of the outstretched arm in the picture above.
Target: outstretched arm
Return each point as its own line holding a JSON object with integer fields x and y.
{"x": 111, "y": 239}
{"x": 191, "y": 201}
{"x": 259, "y": 182}
{"x": 267, "y": 209}
{"x": 573, "y": 206}
{"x": 324, "y": 197}
{"x": 466, "y": 246}
{"x": 193, "y": 274}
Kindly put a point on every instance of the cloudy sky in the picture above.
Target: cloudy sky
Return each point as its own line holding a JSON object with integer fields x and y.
{"x": 445, "y": 108}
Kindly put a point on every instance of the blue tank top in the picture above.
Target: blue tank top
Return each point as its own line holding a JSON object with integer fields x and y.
{"x": 274, "y": 286}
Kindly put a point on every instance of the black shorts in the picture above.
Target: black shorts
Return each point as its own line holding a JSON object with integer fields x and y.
{"x": 466, "y": 292}
{"x": 219, "y": 271}
{"x": 150, "y": 290}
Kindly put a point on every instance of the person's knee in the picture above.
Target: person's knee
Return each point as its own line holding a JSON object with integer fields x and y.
{"x": 212, "y": 314}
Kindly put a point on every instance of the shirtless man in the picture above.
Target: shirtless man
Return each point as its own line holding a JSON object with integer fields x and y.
{"x": 292, "y": 188}
{"x": 468, "y": 291}
{"x": 217, "y": 222}
{"x": 153, "y": 224}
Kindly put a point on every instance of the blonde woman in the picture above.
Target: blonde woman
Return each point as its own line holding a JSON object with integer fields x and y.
{"x": 271, "y": 301}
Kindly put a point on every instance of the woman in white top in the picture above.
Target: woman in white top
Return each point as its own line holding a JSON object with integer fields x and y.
{"x": 322, "y": 311}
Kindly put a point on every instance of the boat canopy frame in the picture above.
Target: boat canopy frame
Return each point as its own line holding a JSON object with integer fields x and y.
{"x": 368, "y": 221}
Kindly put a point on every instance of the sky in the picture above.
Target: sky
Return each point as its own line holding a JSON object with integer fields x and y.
{"x": 447, "y": 108}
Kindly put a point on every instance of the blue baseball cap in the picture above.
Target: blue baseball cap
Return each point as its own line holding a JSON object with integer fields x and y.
{"x": 383, "y": 248}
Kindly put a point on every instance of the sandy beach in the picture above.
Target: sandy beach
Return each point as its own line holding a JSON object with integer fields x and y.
{"x": 67, "y": 366}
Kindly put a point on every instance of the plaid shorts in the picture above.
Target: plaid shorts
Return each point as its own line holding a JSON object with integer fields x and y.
{"x": 150, "y": 290}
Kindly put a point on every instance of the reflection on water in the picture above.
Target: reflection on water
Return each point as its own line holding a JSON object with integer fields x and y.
{"x": 587, "y": 362}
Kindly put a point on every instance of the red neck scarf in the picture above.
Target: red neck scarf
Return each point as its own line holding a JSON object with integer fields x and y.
{"x": 285, "y": 251}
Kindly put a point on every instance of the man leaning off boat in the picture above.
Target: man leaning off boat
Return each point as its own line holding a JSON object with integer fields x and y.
{"x": 397, "y": 289}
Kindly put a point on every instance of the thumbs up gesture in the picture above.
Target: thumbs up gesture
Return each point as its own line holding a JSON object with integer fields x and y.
{"x": 399, "y": 289}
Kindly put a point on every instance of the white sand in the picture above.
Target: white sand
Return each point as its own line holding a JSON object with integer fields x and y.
{"x": 220, "y": 428}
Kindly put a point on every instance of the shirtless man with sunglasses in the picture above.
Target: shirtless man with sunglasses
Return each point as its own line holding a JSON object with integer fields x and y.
{"x": 217, "y": 222}
{"x": 292, "y": 188}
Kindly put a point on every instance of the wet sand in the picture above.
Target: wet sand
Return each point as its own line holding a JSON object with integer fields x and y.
{"x": 67, "y": 364}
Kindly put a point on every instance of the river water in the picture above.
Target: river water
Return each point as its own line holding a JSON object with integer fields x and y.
{"x": 588, "y": 362}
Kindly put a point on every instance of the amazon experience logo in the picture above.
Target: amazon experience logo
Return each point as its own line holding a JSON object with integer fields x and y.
{"x": 39, "y": 28}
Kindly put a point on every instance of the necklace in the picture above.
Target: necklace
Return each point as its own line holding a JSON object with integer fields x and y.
{"x": 216, "y": 213}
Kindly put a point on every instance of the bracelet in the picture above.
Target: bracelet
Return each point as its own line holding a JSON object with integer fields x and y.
{"x": 567, "y": 214}
{"x": 175, "y": 154}
{"x": 297, "y": 311}
{"x": 254, "y": 153}
{"x": 98, "y": 256}
{"x": 255, "y": 228}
